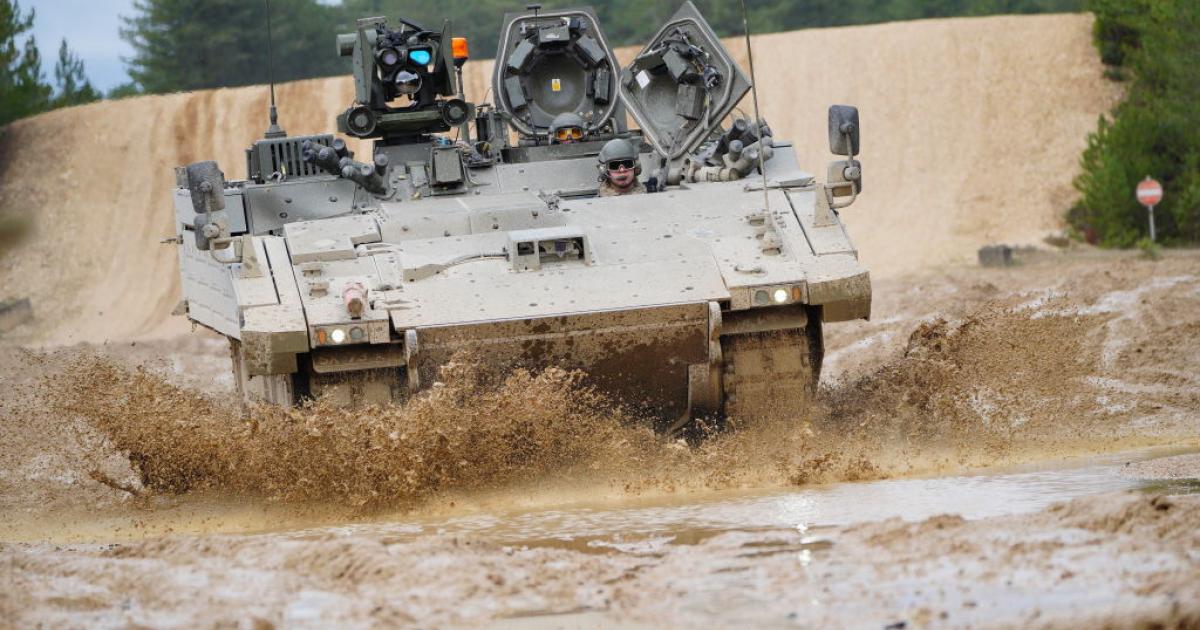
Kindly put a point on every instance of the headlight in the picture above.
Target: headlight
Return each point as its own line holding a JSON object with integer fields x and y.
{"x": 334, "y": 335}
{"x": 775, "y": 296}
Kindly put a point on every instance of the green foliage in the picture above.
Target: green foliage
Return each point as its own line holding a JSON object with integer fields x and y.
{"x": 124, "y": 90}
{"x": 1150, "y": 250}
{"x": 1116, "y": 31}
{"x": 189, "y": 45}
{"x": 22, "y": 91}
{"x": 627, "y": 22}
{"x": 73, "y": 85}
{"x": 1155, "y": 131}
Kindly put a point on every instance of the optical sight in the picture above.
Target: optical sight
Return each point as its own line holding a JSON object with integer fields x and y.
{"x": 404, "y": 81}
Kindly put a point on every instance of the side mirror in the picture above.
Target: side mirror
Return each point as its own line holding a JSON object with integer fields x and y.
{"x": 843, "y": 130}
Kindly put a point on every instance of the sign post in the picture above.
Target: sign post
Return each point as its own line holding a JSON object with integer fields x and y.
{"x": 1149, "y": 193}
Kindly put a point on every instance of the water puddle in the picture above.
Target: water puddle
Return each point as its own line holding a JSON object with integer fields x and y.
{"x": 637, "y": 525}
{"x": 690, "y": 519}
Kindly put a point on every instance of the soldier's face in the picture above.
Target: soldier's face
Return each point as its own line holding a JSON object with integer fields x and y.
{"x": 621, "y": 174}
{"x": 568, "y": 135}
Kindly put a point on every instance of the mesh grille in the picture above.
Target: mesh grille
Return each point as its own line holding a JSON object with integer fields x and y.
{"x": 283, "y": 155}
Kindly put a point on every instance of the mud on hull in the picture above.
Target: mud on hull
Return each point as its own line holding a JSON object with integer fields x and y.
{"x": 669, "y": 363}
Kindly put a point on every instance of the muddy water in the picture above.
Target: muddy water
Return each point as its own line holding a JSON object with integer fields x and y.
{"x": 656, "y": 522}
{"x": 580, "y": 520}
{"x": 471, "y": 503}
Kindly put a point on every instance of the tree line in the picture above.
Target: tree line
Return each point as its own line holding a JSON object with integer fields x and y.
{"x": 24, "y": 88}
{"x": 1154, "y": 46}
{"x": 198, "y": 44}
{"x": 233, "y": 31}
{"x": 627, "y": 22}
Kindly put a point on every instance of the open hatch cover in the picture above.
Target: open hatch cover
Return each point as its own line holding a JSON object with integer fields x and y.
{"x": 682, "y": 85}
{"x": 553, "y": 63}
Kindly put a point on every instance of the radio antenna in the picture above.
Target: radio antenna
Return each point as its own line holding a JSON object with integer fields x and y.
{"x": 274, "y": 131}
{"x": 757, "y": 116}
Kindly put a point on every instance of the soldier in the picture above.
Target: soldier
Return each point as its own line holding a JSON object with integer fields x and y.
{"x": 567, "y": 128}
{"x": 619, "y": 168}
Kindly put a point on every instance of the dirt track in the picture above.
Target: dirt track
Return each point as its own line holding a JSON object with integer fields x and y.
{"x": 1068, "y": 356}
{"x": 1052, "y": 569}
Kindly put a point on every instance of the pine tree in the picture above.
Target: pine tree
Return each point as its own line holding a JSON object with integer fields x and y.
{"x": 22, "y": 90}
{"x": 188, "y": 45}
{"x": 73, "y": 87}
{"x": 1154, "y": 131}
{"x": 124, "y": 90}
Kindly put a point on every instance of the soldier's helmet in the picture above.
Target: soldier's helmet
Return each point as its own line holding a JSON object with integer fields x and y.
{"x": 566, "y": 127}
{"x": 618, "y": 150}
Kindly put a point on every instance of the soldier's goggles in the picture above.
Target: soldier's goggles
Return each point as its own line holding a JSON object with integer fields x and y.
{"x": 615, "y": 165}
{"x": 569, "y": 133}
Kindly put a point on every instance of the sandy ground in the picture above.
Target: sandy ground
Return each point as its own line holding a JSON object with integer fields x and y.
{"x": 1071, "y": 354}
{"x": 1111, "y": 561}
{"x": 1177, "y": 467}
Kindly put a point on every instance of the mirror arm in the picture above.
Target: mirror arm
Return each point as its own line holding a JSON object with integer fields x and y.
{"x": 827, "y": 210}
{"x": 838, "y": 205}
{"x": 847, "y": 130}
{"x": 221, "y": 244}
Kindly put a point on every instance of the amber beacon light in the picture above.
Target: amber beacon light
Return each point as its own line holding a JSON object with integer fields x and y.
{"x": 458, "y": 46}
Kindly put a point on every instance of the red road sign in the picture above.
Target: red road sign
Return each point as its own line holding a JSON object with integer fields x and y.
{"x": 1149, "y": 192}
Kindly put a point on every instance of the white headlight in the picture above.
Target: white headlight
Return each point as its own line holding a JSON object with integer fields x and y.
{"x": 780, "y": 295}
{"x": 337, "y": 335}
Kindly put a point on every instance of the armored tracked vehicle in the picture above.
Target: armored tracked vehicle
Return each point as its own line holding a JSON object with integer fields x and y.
{"x": 356, "y": 279}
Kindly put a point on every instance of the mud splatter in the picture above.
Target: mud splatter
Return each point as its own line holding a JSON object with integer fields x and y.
{"x": 1000, "y": 385}
{"x": 961, "y": 373}
{"x": 467, "y": 433}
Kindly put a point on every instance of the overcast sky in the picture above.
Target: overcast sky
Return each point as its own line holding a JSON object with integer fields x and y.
{"x": 91, "y": 29}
